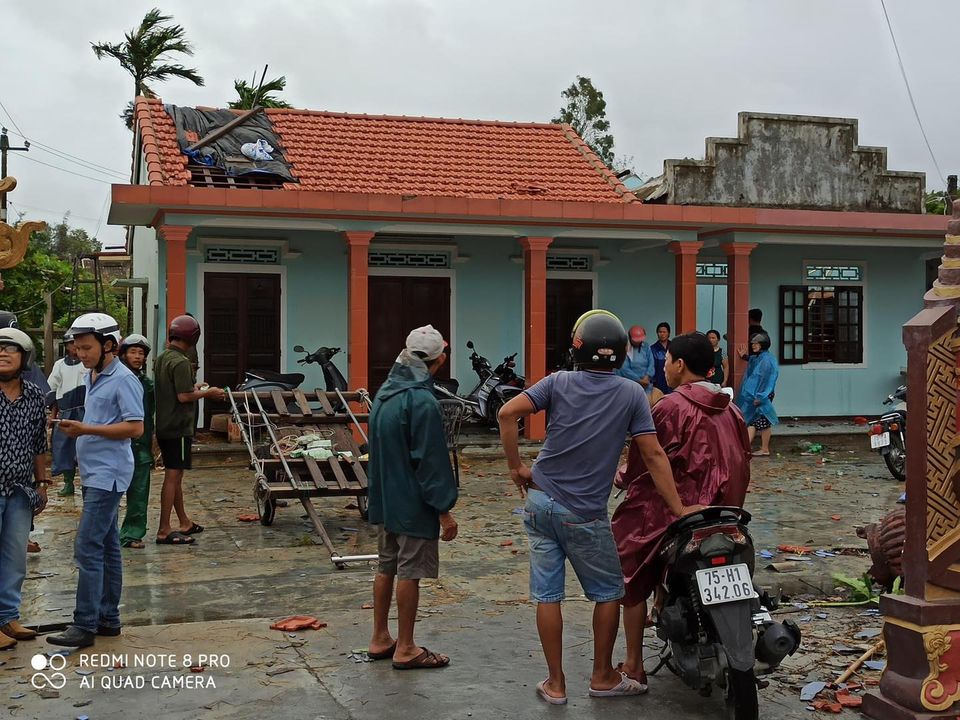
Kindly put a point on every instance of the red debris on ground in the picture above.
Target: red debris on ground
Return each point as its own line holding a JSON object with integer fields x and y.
{"x": 795, "y": 549}
{"x": 835, "y": 518}
{"x": 506, "y": 543}
{"x": 298, "y": 622}
{"x": 833, "y": 707}
{"x": 248, "y": 517}
{"x": 848, "y": 700}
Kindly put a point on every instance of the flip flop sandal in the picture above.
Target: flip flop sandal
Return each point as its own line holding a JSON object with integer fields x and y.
{"x": 619, "y": 669}
{"x": 175, "y": 538}
{"x": 194, "y": 530}
{"x": 383, "y": 654}
{"x": 426, "y": 660}
{"x": 544, "y": 695}
{"x": 135, "y": 544}
{"x": 626, "y": 688}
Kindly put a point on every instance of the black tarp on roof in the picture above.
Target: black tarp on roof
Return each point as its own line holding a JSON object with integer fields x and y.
{"x": 225, "y": 152}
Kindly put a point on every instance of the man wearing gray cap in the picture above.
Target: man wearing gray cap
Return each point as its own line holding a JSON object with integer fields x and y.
{"x": 411, "y": 492}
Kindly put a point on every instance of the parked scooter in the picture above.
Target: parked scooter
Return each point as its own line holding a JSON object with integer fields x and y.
{"x": 495, "y": 386}
{"x": 270, "y": 380}
{"x": 717, "y": 631}
{"x": 888, "y": 435}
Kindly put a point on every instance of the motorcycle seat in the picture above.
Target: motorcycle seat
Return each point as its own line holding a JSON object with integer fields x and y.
{"x": 710, "y": 516}
{"x": 293, "y": 379}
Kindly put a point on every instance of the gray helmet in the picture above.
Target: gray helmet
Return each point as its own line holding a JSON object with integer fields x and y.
{"x": 7, "y": 319}
{"x": 21, "y": 340}
{"x": 134, "y": 340}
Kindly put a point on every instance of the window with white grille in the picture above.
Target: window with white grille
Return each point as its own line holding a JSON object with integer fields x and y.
{"x": 402, "y": 258}
{"x": 711, "y": 271}
{"x": 564, "y": 261}
{"x": 243, "y": 255}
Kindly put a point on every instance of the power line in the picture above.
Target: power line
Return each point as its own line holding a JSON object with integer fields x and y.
{"x": 71, "y": 172}
{"x": 10, "y": 117}
{"x": 50, "y": 211}
{"x": 913, "y": 103}
{"x": 103, "y": 211}
{"x": 64, "y": 155}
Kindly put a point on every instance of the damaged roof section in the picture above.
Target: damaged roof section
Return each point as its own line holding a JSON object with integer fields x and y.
{"x": 408, "y": 156}
{"x": 789, "y": 161}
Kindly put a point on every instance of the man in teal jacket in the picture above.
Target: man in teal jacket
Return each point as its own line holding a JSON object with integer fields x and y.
{"x": 411, "y": 492}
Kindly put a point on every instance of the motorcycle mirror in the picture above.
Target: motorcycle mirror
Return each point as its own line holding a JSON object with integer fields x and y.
{"x": 298, "y": 348}
{"x": 470, "y": 344}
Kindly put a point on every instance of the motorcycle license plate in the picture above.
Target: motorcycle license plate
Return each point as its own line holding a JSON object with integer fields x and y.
{"x": 879, "y": 441}
{"x": 725, "y": 584}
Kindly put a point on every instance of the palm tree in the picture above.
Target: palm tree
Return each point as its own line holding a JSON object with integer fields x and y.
{"x": 250, "y": 96}
{"x": 144, "y": 53}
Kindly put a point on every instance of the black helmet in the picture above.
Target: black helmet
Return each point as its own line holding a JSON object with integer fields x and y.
{"x": 598, "y": 340}
{"x": 7, "y": 319}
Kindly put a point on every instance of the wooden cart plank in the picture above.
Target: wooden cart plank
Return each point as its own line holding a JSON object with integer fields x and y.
{"x": 315, "y": 473}
{"x": 324, "y": 402}
{"x": 338, "y": 472}
{"x": 279, "y": 402}
{"x": 302, "y": 402}
{"x": 361, "y": 476}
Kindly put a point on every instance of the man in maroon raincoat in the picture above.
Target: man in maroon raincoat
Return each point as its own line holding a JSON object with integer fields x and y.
{"x": 705, "y": 438}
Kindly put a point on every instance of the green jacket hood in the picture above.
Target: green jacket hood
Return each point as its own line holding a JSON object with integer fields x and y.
{"x": 408, "y": 373}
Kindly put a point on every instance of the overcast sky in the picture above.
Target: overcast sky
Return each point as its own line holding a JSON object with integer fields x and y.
{"x": 672, "y": 71}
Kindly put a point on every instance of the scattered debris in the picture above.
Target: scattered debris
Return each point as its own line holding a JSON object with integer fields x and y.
{"x": 506, "y": 543}
{"x": 367, "y": 606}
{"x": 298, "y": 622}
{"x": 248, "y": 517}
{"x": 811, "y": 690}
{"x": 868, "y": 633}
{"x": 796, "y": 549}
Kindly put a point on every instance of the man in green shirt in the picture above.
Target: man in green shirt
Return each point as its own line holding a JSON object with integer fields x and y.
{"x": 134, "y": 350}
{"x": 176, "y": 395}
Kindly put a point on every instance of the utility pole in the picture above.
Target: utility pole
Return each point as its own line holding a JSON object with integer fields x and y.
{"x": 4, "y": 149}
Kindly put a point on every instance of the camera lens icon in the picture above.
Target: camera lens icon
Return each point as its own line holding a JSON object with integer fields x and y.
{"x": 38, "y": 662}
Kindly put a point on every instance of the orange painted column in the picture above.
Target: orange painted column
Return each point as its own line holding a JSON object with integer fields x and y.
{"x": 175, "y": 237}
{"x": 358, "y": 356}
{"x": 686, "y": 285}
{"x": 535, "y": 322}
{"x": 738, "y": 305}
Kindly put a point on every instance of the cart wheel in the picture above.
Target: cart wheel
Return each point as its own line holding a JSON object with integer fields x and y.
{"x": 340, "y": 566}
{"x": 364, "y": 508}
{"x": 267, "y": 508}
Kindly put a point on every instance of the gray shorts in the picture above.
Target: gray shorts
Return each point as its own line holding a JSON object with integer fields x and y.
{"x": 408, "y": 558}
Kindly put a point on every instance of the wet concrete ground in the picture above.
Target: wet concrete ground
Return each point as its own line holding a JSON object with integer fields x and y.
{"x": 219, "y": 597}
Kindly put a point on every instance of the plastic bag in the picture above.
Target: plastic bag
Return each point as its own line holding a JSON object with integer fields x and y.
{"x": 260, "y": 150}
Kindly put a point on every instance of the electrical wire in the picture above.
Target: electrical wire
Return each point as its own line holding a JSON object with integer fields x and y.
{"x": 10, "y": 117}
{"x": 906, "y": 83}
{"x": 42, "y": 302}
{"x": 71, "y": 172}
{"x": 76, "y": 159}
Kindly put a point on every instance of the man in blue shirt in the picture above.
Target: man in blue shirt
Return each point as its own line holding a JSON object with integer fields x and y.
{"x": 638, "y": 364}
{"x": 113, "y": 415}
{"x": 591, "y": 411}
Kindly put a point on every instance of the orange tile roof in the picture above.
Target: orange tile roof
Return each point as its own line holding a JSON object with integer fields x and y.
{"x": 411, "y": 156}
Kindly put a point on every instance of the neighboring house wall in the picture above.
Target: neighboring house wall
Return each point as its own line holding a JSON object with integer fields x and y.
{"x": 793, "y": 161}
{"x": 146, "y": 264}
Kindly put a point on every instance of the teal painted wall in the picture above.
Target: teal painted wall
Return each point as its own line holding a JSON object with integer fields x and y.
{"x": 712, "y": 308}
{"x": 893, "y": 292}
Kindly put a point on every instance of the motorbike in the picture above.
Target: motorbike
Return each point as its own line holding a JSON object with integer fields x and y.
{"x": 717, "y": 630}
{"x": 495, "y": 386}
{"x": 888, "y": 435}
{"x": 270, "y": 380}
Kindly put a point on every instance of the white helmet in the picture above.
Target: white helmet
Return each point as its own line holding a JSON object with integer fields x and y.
{"x": 21, "y": 340}
{"x": 135, "y": 340}
{"x": 96, "y": 323}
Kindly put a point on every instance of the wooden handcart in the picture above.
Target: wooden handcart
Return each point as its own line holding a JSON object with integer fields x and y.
{"x": 284, "y": 417}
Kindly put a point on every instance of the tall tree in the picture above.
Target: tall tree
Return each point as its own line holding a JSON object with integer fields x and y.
{"x": 586, "y": 112}
{"x": 248, "y": 96}
{"x": 146, "y": 53}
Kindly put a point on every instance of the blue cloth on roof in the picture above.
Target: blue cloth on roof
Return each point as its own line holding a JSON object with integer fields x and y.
{"x": 759, "y": 383}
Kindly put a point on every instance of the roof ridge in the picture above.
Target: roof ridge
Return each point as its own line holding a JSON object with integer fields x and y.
{"x": 413, "y": 118}
{"x": 599, "y": 165}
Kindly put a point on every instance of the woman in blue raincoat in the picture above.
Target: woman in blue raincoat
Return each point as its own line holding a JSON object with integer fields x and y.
{"x": 757, "y": 390}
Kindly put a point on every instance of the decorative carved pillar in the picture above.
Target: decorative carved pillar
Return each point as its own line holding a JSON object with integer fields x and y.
{"x": 176, "y": 240}
{"x": 358, "y": 355}
{"x": 738, "y": 305}
{"x": 535, "y": 322}
{"x": 686, "y": 285}
{"x": 922, "y": 627}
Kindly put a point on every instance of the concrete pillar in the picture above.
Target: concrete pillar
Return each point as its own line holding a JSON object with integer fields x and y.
{"x": 535, "y": 322}
{"x": 358, "y": 353}
{"x": 738, "y": 305}
{"x": 686, "y": 285}
{"x": 175, "y": 237}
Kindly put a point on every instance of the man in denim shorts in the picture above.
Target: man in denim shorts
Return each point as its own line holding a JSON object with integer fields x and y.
{"x": 591, "y": 411}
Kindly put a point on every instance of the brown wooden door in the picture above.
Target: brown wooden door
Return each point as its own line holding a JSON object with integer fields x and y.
{"x": 397, "y": 305}
{"x": 241, "y": 329}
{"x": 567, "y": 300}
